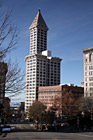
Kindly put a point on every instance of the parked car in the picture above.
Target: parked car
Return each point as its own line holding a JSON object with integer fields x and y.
{"x": 6, "y": 129}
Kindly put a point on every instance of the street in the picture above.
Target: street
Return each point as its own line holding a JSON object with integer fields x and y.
{"x": 47, "y": 136}
{"x": 31, "y": 134}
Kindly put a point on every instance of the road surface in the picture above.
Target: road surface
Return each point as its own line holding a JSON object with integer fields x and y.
{"x": 27, "y": 133}
{"x": 46, "y": 136}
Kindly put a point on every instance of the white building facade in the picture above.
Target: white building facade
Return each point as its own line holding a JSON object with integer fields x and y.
{"x": 41, "y": 68}
{"x": 88, "y": 72}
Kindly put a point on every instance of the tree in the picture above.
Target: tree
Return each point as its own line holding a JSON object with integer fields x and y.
{"x": 86, "y": 105}
{"x": 8, "y": 40}
{"x": 21, "y": 107}
{"x": 6, "y": 115}
{"x": 8, "y": 33}
{"x": 69, "y": 104}
{"x": 36, "y": 110}
{"x": 14, "y": 80}
{"x": 49, "y": 117}
{"x": 66, "y": 104}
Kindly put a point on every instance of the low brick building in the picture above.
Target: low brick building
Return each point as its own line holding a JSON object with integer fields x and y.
{"x": 3, "y": 71}
{"x": 7, "y": 102}
{"x": 48, "y": 94}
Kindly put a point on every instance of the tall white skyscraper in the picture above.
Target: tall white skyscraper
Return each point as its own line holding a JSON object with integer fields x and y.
{"x": 88, "y": 72}
{"x": 41, "y": 68}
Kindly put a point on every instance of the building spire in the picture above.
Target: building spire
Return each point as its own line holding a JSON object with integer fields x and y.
{"x": 39, "y": 10}
{"x": 38, "y": 21}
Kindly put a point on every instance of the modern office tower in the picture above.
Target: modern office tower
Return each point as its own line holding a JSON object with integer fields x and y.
{"x": 41, "y": 68}
{"x": 88, "y": 72}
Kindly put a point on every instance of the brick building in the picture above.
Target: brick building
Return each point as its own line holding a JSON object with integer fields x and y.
{"x": 3, "y": 100}
{"x": 48, "y": 94}
{"x": 6, "y": 102}
{"x": 3, "y": 71}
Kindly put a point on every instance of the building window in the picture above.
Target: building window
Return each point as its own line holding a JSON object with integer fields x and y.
{"x": 90, "y": 57}
{"x": 91, "y": 94}
{"x": 90, "y": 67}
{"x": 86, "y": 68}
{"x": 90, "y": 84}
{"x": 85, "y": 73}
{"x": 91, "y": 79}
{"x": 86, "y": 60}
{"x": 86, "y": 79}
{"x": 91, "y": 73}
{"x": 91, "y": 89}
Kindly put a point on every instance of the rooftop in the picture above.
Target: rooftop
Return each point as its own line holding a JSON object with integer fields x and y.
{"x": 88, "y": 49}
{"x": 38, "y": 21}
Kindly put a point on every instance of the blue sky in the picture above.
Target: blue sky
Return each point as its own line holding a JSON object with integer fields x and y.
{"x": 70, "y": 24}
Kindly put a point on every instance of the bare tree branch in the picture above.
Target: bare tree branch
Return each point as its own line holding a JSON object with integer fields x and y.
{"x": 8, "y": 40}
{"x": 8, "y": 33}
{"x": 86, "y": 104}
{"x": 14, "y": 80}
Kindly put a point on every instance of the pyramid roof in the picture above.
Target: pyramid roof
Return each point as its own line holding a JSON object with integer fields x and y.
{"x": 38, "y": 21}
